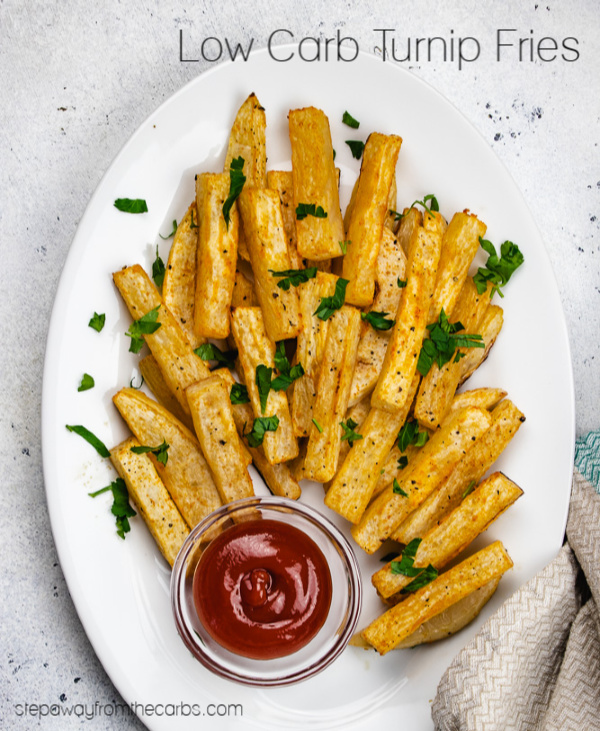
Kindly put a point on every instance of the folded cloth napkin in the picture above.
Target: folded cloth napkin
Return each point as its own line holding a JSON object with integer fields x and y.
{"x": 535, "y": 664}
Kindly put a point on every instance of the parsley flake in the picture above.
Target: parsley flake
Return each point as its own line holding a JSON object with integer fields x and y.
{"x": 397, "y": 489}
{"x": 319, "y": 427}
{"x": 239, "y": 394}
{"x": 378, "y": 320}
{"x": 329, "y": 305}
{"x": 427, "y": 575}
{"x": 262, "y": 378}
{"x": 356, "y": 148}
{"x": 402, "y": 283}
{"x": 131, "y": 205}
{"x": 344, "y": 246}
{"x": 146, "y": 325}
{"x": 260, "y": 427}
{"x": 87, "y": 382}
{"x": 349, "y": 433}
{"x": 236, "y": 183}
{"x": 410, "y": 434}
{"x": 121, "y": 508}
{"x": 161, "y": 452}
{"x": 158, "y": 270}
{"x": 97, "y": 321}
{"x": 208, "y": 351}
{"x": 349, "y": 120}
{"x": 294, "y": 277}
{"x": 309, "y": 209}
{"x": 92, "y": 439}
{"x": 498, "y": 270}
{"x": 173, "y": 232}
{"x": 443, "y": 343}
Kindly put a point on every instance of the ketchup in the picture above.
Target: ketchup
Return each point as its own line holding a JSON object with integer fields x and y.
{"x": 262, "y": 589}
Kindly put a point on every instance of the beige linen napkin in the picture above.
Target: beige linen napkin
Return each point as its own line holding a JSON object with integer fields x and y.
{"x": 535, "y": 664}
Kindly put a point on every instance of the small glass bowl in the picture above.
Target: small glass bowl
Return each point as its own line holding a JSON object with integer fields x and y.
{"x": 330, "y": 640}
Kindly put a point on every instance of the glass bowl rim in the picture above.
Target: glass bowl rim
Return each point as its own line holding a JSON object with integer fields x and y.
{"x": 347, "y": 556}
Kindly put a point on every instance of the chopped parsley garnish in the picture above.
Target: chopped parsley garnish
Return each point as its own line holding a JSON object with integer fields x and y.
{"x": 356, "y": 148}
{"x": 132, "y": 385}
{"x": 236, "y": 183}
{"x": 173, "y": 232}
{"x": 397, "y": 489}
{"x": 309, "y": 209}
{"x": 121, "y": 508}
{"x": 294, "y": 277}
{"x": 239, "y": 394}
{"x": 402, "y": 462}
{"x": 470, "y": 487}
{"x": 97, "y": 321}
{"x": 402, "y": 283}
{"x": 405, "y": 566}
{"x": 319, "y": 427}
{"x": 160, "y": 452}
{"x": 349, "y": 433}
{"x": 146, "y": 325}
{"x": 348, "y": 119}
{"x": 208, "y": 351}
{"x": 378, "y": 320}
{"x": 287, "y": 375}
{"x": 344, "y": 246}
{"x": 428, "y": 199}
{"x": 261, "y": 426}
{"x": 410, "y": 434}
{"x": 92, "y": 439}
{"x": 329, "y": 305}
{"x": 498, "y": 270}
{"x": 443, "y": 343}
{"x": 131, "y": 205}
{"x": 158, "y": 270}
{"x": 87, "y": 382}
{"x": 262, "y": 378}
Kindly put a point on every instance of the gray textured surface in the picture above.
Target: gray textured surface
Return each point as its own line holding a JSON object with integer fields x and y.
{"x": 77, "y": 81}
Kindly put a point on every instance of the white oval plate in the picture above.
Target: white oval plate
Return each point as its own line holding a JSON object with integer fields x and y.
{"x": 121, "y": 588}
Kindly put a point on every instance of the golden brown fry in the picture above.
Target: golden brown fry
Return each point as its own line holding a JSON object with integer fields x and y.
{"x": 215, "y": 428}
{"x": 154, "y": 379}
{"x": 489, "y": 328}
{"x": 506, "y": 420}
{"x": 459, "y": 246}
{"x": 400, "y": 363}
{"x": 427, "y": 469}
{"x": 177, "y": 361}
{"x": 478, "y": 510}
{"x": 485, "y": 398}
{"x": 256, "y": 348}
{"x": 438, "y": 387}
{"x": 277, "y": 477}
{"x": 368, "y": 215}
{"x": 151, "y": 498}
{"x": 355, "y": 481}
{"x": 267, "y": 245}
{"x": 179, "y": 285}
{"x": 357, "y": 415}
{"x": 447, "y": 623}
{"x": 249, "y": 131}
{"x": 186, "y": 475}
{"x": 309, "y": 350}
{"x": 390, "y": 267}
{"x": 399, "y": 622}
{"x": 216, "y": 256}
{"x": 315, "y": 183}
{"x": 333, "y": 391}
{"x": 243, "y": 292}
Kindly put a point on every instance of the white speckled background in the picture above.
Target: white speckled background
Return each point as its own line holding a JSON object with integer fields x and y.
{"x": 77, "y": 79}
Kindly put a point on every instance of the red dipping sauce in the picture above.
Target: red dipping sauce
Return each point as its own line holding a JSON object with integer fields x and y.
{"x": 262, "y": 589}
